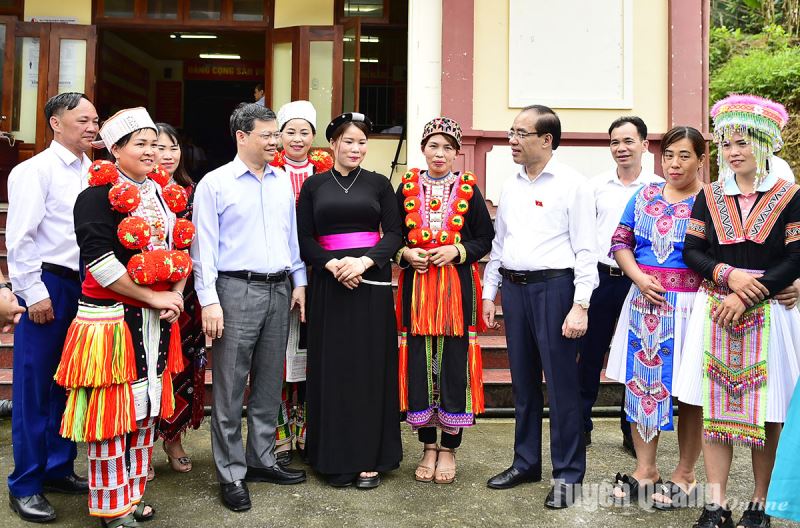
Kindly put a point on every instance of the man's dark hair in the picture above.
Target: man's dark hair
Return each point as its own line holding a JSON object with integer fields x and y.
{"x": 260, "y": 86}
{"x": 547, "y": 122}
{"x": 244, "y": 116}
{"x": 57, "y": 104}
{"x": 636, "y": 121}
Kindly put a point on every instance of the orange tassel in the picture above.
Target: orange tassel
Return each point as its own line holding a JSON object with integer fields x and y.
{"x": 402, "y": 370}
{"x": 436, "y": 307}
{"x": 110, "y": 413}
{"x": 476, "y": 280}
{"x": 175, "y": 362}
{"x": 398, "y": 304}
{"x": 167, "y": 396}
{"x": 476, "y": 373}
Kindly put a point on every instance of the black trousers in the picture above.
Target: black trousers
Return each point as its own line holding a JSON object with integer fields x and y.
{"x": 606, "y": 305}
{"x": 427, "y": 435}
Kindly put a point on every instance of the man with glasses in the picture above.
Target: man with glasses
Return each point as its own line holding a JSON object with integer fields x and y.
{"x": 544, "y": 254}
{"x": 245, "y": 252}
{"x": 612, "y": 190}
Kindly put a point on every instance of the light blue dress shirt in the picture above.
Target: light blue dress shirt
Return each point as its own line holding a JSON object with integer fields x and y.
{"x": 244, "y": 224}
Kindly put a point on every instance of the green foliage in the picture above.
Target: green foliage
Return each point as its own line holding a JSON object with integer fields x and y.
{"x": 763, "y": 72}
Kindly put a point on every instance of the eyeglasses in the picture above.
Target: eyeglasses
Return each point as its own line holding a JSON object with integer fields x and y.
{"x": 266, "y": 137}
{"x": 519, "y": 134}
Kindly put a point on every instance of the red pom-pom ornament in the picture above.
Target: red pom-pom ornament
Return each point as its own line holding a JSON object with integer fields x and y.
{"x": 162, "y": 262}
{"x": 142, "y": 270}
{"x": 411, "y": 204}
{"x": 159, "y": 175}
{"x": 461, "y": 206}
{"x": 468, "y": 177}
{"x": 426, "y": 235}
{"x": 413, "y": 220}
{"x": 465, "y": 191}
{"x": 124, "y": 197}
{"x": 181, "y": 266}
{"x": 321, "y": 160}
{"x": 102, "y": 173}
{"x": 456, "y": 238}
{"x": 133, "y": 232}
{"x": 183, "y": 233}
{"x": 444, "y": 237}
{"x": 176, "y": 198}
{"x": 415, "y": 237}
{"x": 456, "y": 222}
{"x": 410, "y": 188}
{"x": 435, "y": 204}
{"x": 410, "y": 176}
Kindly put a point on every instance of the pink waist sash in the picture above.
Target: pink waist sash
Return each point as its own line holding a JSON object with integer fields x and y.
{"x": 674, "y": 279}
{"x": 358, "y": 239}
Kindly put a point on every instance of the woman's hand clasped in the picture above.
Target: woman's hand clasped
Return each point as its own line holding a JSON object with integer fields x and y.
{"x": 747, "y": 286}
{"x": 651, "y": 289}
{"x": 729, "y": 311}
{"x": 417, "y": 259}
{"x": 348, "y": 270}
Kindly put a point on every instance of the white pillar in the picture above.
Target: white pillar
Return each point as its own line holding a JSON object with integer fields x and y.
{"x": 424, "y": 72}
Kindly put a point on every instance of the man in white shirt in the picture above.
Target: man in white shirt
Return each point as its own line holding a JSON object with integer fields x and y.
{"x": 544, "y": 250}
{"x": 612, "y": 190}
{"x": 43, "y": 262}
{"x": 781, "y": 168}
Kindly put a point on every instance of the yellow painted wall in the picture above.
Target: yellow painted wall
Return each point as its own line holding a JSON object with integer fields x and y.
{"x": 80, "y": 9}
{"x": 380, "y": 153}
{"x": 650, "y": 71}
{"x": 303, "y": 13}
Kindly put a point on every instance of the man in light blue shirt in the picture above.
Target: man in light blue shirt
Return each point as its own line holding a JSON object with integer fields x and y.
{"x": 245, "y": 252}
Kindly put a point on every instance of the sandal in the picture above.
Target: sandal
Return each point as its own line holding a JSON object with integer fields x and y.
{"x": 678, "y": 498}
{"x": 425, "y": 477}
{"x": 714, "y": 516}
{"x": 754, "y": 517}
{"x": 178, "y": 464}
{"x": 140, "y": 515}
{"x": 632, "y": 488}
{"x": 127, "y": 521}
{"x": 442, "y": 475}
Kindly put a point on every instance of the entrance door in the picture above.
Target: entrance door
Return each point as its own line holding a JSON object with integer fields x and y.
{"x": 40, "y": 61}
{"x": 306, "y": 63}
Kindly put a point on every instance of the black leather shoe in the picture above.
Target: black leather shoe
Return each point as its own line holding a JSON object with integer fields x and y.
{"x": 33, "y": 508}
{"x": 627, "y": 445}
{"x": 512, "y": 477}
{"x": 70, "y": 485}
{"x": 235, "y": 495}
{"x": 284, "y": 458}
{"x": 562, "y": 495}
{"x": 755, "y": 517}
{"x": 714, "y": 516}
{"x": 587, "y": 438}
{"x": 276, "y": 474}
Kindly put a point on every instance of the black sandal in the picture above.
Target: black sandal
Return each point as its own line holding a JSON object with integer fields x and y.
{"x": 754, "y": 517}
{"x": 677, "y": 497}
{"x": 714, "y": 516}
{"x": 139, "y": 514}
{"x": 128, "y": 521}
{"x": 632, "y": 488}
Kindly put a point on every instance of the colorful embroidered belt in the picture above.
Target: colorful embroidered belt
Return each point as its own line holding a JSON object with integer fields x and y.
{"x": 674, "y": 279}
{"x": 359, "y": 239}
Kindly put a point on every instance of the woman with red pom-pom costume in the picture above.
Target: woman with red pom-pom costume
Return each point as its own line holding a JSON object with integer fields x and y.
{"x": 297, "y": 124}
{"x": 447, "y": 230}
{"x": 124, "y": 346}
{"x": 189, "y": 384}
{"x": 741, "y": 355}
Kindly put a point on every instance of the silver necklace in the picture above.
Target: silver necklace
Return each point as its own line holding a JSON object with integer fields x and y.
{"x": 345, "y": 189}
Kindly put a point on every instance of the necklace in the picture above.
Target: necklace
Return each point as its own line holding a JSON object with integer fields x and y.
{"x": 345, "y": 189}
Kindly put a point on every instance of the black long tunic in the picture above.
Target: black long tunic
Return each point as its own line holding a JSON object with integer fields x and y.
{"x": 352, "y": 387}
{"x": 778, "y": 249}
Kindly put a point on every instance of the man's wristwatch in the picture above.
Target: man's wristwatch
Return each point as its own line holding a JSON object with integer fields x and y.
{"x": 5, "y": 285}
{"x": 583, "y": 304}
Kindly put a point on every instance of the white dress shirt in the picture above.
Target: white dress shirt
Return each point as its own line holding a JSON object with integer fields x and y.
{"x": 40, "y": 228}
{"x": 244, "y": 224}
{"x": 610, "y": 198}
{"x": 547, "y": 223}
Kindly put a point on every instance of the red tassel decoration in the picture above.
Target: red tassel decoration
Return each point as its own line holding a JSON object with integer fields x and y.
{"x": 175, "y": 363}
{"x": 402, "y": 370}
{"x": 167, "y": 396}
{"x": 475, "y": 359}
{"x": 436, "y": 307}
{"x": 476, "y": 279}
{"x": 110, "y": 413}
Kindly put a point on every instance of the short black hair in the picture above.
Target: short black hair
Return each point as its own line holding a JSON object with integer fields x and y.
{"x": 547, "y": 123}
{"x": 260, "y": 86}
{"x": 678, "y": 133}
{"x": 57, "y": 104}
{"x": 245, "y": 115}
{"x": 636, "y": 121}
